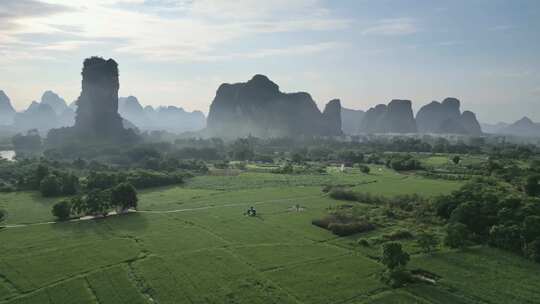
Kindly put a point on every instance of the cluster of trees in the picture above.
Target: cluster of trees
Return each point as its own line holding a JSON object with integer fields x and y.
{"x": 488, "y": 211}
{"x": 138, "y": 178}
{"x": 403, "y": 162}
{"x": 29, "y": 142}
{"x": 121, "y": 198}
{"x": 49, "y": 182}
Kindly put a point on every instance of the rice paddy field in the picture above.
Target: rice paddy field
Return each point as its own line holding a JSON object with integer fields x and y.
{"x": 193, "y": 244}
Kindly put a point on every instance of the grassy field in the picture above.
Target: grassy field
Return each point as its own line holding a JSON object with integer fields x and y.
{"x": 192, "y": 244}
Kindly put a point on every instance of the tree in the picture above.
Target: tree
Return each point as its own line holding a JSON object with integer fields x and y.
{"x": 456, "y": 159}
{"x": 50, "y": 186}
{"x": 242, "y": 149}
{"x": 393, "y": 256}
{"x": 62, "y": 210}
{"x": 457, "y": 235}
{"x": 41, "y": 172}
{"x": 532, "y": 185}
{"x": 364, "y": 169}
{"x": 29, "y": 142}
{"x": 97, "y": 203}
{"x": 124, "y": 197}
{"x": 427, "y": 241}
{"x": 506, "y": 237}
{"x": 70, "y": 184}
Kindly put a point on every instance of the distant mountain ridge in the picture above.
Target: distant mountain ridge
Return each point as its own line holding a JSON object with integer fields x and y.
{"x": 168, "y": 118}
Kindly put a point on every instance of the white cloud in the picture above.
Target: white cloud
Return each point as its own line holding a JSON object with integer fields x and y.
{"x": 178, "y": 30}
{"x": 392, "y": 27}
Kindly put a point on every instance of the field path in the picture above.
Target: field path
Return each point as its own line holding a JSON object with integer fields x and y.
{"x": 113, "y": 213}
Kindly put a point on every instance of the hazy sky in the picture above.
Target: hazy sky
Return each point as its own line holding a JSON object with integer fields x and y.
{"x": 484, "y": 52}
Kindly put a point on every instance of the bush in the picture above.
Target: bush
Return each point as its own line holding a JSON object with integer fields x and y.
{"x": 62, "y": 210}
{"x": 363, "y": 242}
{"x": 396, "y": 278}
{"x": 364, "y": 169}
{"x": 343, "y": 226}
{"x": 345, "y": 229}
{"x": 342, "y": 194}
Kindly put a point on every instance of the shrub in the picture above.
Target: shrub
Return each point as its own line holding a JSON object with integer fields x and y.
{"x": 343, "y": 226}
{"x": 345, "y": 229}
{"x": 363, "y": 242}
{"x": 342, "y": 194}
{"x": 397, "y": 278}
{"x": 364, "y": 169}
{"x": 62, "y": 210}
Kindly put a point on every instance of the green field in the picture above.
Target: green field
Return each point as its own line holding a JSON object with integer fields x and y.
{"x": 192, "y": 244}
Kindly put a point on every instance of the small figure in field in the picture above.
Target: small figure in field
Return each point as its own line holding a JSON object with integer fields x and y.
{"x": 251, "y": 211}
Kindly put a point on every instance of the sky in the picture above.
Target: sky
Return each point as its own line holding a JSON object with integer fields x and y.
{"x": 364, "y": 52}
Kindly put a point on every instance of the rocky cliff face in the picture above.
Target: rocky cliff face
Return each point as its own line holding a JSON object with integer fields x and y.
{"x": 399, "y": 117}
{"x": 446, "y": 117}
{"x": 470, "y": 123}
{"x": 372, "y": 122}
{"x": 7, "y": 112}
{"x": 351, "y": 121}
{"x": 331, "y": 115}
{"x": 259, "y": 108}
{"x": 97, "y": 106}
{"x": 396, "y": 117}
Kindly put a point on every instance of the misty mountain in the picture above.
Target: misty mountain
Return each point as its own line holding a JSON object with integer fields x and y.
{"x": 260, "y": 109}
{"x": 396, "y": 117}
{"x": 37, "y": 116}
{"x": 523, "y": 128}
{"x": 446, "y": 117}
{"x": 493, "y": 128}
{"x": 351, "y": 121}
{"x": 7, "y": 112}
{"x": 168, "y": 118}
{"x": 57, "y": 103}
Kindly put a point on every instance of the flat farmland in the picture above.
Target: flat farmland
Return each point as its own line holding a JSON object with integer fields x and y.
{"x": 193, "y": 244}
